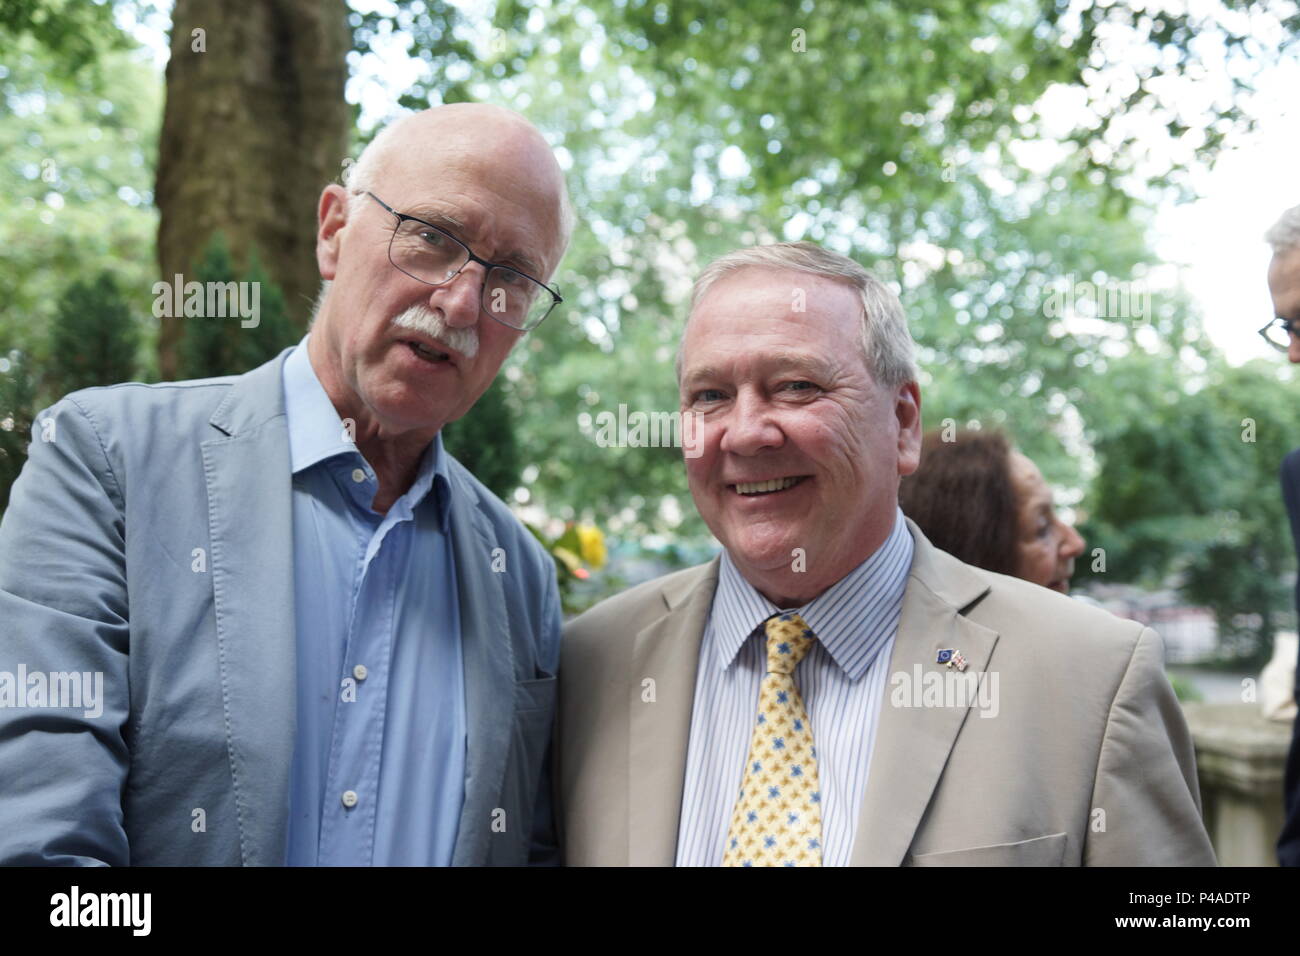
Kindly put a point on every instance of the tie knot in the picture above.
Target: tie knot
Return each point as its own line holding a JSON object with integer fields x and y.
{"x": 788, "y": 640}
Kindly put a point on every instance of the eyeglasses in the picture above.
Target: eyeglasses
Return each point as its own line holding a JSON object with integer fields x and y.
{"x": 434, "y": 256}
{"x": 1278, "y": 332}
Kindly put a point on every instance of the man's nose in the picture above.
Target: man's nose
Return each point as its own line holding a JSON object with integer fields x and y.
{"x": 460, "y": 297}
{"x": 750, "y": 427}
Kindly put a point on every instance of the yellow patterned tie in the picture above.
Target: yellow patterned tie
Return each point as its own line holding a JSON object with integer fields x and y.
{"x": 778, "y": 816}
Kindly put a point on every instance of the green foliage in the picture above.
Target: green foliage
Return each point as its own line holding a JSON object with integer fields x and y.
{"x": 77, "y": 32}
{"x": 435, "y": 38}
{"x": 484, "y": 442}
{"x": 212, "y": 345}
{"x": 76, "y": 170}
{"x": 17, "y": 406}
{"x": 94, "y": 339}
{"x": 1188, "y": 486}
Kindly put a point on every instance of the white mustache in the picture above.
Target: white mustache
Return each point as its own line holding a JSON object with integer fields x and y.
{"x": 417, "y": 317}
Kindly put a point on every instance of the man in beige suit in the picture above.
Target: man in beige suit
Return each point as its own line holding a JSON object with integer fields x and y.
{"x": 832, "y": 689}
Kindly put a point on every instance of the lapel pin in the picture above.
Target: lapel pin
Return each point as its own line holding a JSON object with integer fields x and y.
{"x": 951, "y": 657}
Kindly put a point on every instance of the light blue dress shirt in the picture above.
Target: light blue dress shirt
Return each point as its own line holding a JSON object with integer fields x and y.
{"x": 842, "y": 681}
{"x": 379, "y": 756}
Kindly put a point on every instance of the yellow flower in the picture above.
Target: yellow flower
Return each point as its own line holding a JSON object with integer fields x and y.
{"x": 591, "y": 545}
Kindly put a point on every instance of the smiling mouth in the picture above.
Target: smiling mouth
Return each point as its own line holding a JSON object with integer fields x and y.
{"x": 772, "y": 486}
{"x": 432, "y": 356}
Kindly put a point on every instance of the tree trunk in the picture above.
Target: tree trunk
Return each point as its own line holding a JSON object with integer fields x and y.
{"x": 254, "y": 127}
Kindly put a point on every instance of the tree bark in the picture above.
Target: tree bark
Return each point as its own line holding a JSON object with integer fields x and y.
{"x": 253, "y": 128}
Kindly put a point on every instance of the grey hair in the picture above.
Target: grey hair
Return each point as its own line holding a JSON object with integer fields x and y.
{"x": 359, "y": 178}
{"x": 1285, "y": 234}
{"x": 887, "y": 346}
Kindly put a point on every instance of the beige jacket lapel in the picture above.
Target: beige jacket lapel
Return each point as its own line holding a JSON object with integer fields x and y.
{"x": 666, "y": 652}
{"x": 912, "y": 743}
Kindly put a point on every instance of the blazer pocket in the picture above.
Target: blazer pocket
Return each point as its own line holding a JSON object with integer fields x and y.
{"x": 536, "y": 694}
{"x": 1040, "y": 851}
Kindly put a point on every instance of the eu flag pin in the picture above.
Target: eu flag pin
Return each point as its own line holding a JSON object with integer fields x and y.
{"x": 951, "y": 657}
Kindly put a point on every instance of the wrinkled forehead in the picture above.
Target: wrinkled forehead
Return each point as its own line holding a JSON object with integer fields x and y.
{"x": 782, "y": 315}
{"x": 504, "y": 191}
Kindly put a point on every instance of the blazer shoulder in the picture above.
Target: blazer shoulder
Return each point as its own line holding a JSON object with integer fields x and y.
{"x": 151, "y": 405}
{"x": 191, "y": 391}
{"x": 627, "y": 612}
{"x": 1050, "y": 630}
{"x": 1044, "y": 636}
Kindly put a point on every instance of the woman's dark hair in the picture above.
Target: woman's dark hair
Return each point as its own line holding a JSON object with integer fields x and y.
{"x": 962, "y": 498}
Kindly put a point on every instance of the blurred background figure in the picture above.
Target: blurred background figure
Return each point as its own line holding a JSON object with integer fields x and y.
{"x": 982, "y": 501}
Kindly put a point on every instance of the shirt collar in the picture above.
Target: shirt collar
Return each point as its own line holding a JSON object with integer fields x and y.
{"x": 316, "y": 434}
{"x": 853, "y": 619}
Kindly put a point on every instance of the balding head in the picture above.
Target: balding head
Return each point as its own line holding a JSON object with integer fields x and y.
{"x": 510, "y": 149}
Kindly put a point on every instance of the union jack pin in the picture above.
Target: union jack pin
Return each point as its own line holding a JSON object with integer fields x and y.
{"x": 951, "y": 657}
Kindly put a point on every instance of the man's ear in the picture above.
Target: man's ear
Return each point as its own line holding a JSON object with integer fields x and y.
{"x": 907, "y": 406}
{"x": 332, "y": 216}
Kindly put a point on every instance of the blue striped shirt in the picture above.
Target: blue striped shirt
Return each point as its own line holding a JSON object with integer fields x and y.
{"x": 843, "y": 680}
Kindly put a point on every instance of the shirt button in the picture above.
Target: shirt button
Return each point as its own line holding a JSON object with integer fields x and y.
{"x": 360, "y": 672}
{"x": 358, "y": 475}
{"x": 349, "y": 798}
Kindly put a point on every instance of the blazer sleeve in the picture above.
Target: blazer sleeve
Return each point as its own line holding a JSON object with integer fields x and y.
{"x": 1145, "y": 785}
{"x": 63, "y": 604}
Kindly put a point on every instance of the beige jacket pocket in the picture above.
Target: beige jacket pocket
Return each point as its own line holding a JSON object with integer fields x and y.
{"x": 1040, "y": 851}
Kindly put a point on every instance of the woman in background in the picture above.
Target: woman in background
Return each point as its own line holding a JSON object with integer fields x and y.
{"x": 987, "y": 504}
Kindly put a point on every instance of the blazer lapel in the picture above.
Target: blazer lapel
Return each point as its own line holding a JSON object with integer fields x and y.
{"x": 488, "y": 654}
{"x": 250, "y": 528}
{"x": 666, "y": 652}
{"x": 913, "y": 743}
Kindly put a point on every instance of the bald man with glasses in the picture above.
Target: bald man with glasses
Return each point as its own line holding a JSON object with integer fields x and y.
{"x": 320, "y": 640}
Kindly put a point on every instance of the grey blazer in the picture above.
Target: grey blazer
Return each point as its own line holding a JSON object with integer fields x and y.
{"x": 100, "y": 571}
{"x": 1088, "y": 760}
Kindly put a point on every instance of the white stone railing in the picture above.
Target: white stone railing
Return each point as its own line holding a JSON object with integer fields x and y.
{"x": 1240, "y": 759}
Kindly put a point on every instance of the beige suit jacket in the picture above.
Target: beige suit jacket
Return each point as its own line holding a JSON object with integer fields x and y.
{"x": 1088, "y": 760}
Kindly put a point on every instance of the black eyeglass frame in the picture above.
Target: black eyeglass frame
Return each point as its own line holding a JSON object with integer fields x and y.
{"x": 401, "y": 217}
{"x": 1289, "y": 326}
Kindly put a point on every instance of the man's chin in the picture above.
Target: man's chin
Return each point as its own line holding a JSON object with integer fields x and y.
{"x": 767, "y": 556}
{"x": 404, "y": 412}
